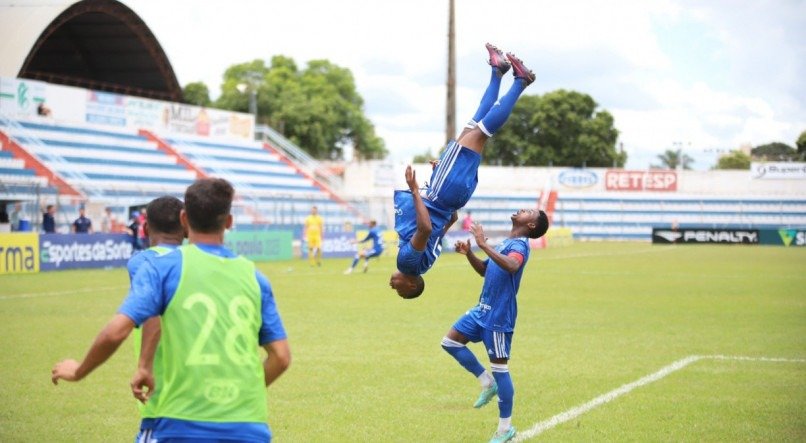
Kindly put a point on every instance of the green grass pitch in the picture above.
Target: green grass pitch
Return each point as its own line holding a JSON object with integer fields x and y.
{"x": 368, "y": 366}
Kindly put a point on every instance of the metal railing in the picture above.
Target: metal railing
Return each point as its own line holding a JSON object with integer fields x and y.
{"x": 310, "y": 165}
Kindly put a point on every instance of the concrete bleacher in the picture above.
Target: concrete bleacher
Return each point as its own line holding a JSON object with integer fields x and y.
{"x": 103, "y": 164}
{"x": 268, "y": 186}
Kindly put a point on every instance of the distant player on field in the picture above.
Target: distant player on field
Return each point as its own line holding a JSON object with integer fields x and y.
{"x": 492, "y": 320}
{"x": 375, "y": 250}
{"x": 422, "y": 220}
{"x": 214, "y": 307}
{"x": 314, "y": 227}
{"x": 165, "y": 233}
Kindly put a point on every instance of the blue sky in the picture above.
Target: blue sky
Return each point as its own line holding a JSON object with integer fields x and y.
{"x": 707, "y": 76}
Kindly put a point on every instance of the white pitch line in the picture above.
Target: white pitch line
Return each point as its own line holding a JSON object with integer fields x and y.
{"x": 576, "y": 411}
{"x": 55, "y": 293}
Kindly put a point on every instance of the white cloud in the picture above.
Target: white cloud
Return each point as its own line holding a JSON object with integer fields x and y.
{"x": 716, "y": 74}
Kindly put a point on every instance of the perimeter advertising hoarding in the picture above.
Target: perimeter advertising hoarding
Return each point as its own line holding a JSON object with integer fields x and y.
{"x": 778, "y": 171}
{"x": 706, "y": 235}
{"x": 655, "y": 181}
{"x": 19, "y": 253}
{"x": 260, "y": 245}
{"x": 70, "y": 251}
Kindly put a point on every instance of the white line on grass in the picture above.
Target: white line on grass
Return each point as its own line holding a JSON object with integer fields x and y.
{"x": 56, "y": 293}
{"x": 576, "y": 411}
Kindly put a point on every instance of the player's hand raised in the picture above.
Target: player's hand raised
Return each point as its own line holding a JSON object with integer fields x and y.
{"x": 411, "y": 179}
{"x": 478, "y": 233}
{"x": 462, "y": 247}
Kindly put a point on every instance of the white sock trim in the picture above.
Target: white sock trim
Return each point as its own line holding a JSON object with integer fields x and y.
{"x": 471, "y": 124}
{"x": 497, "y": 367}
{"x": 448, "y": 343}
{"x": 484, "y": 129}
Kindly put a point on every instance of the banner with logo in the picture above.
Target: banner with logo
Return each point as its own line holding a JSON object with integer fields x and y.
{"x": 20, "y": 96}
{"x": 260, "y": 245}
{"x": 783, "y": 237}
{"x": 705, "y": 235}
{"x": 655, "y": 181}
{"x": 780, "y": 171}
{"x": 578, "y": 178}
{"x": 70, "y": 251}
{"x": 19, "y": 253}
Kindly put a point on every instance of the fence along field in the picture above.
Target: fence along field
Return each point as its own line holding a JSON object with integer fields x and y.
{"x": 614, "y": 342}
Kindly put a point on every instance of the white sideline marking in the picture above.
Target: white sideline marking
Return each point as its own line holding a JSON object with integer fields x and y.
{"x": 55, "y": 293}
{"x": 576, "y": 411}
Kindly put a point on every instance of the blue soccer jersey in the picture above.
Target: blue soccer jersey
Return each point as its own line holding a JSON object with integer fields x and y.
{"x": 498, "y": 306}
{"x": 374, "y": 234}
{"x": 153, "y": 288}
{"x": 409, "y": 260}
{"x": 137, "y": 259}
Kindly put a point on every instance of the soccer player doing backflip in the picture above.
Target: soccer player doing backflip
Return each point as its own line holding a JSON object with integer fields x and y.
{"x": 423, "y": 216}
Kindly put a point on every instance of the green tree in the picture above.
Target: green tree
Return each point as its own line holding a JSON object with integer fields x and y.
{"x": 425, "y": 157}
{"x": 317, "y": 108}
{"x": 734, "y": 160}
{"x": 672, "y": 159}
{"x": 801, "y": 144}
{"x": 562, "y": 128}
{"x": 774, "y": 151}
{"x": 196, "y": 93}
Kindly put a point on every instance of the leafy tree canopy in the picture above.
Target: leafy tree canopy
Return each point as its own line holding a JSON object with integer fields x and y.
{"x": 196, "y": 93}
{"x": 563, "y": 128}
{"x": 774, "y": 151}
{"x": 734, "y": 160}
{"x": 672, "y": 159}
{"x": 317, "y": 108}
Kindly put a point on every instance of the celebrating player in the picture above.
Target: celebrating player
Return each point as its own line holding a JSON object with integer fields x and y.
{"x": 422, "y": 220}
{"x": 492, "y": 320}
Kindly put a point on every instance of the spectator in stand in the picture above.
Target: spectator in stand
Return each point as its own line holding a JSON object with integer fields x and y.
{"x": 49, "y": 220}
{"x": 467, "y": 222}
{"x": 43, "y": 110}
{"x": 14, "y": 217}
{"x": 82, "y": 225}
{"x": 108, "y": 222}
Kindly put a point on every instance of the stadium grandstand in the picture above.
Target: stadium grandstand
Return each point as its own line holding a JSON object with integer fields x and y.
{"x": 115, "y": 133}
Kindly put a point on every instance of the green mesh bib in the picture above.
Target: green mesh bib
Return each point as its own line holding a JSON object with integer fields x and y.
{"x": 211, "y": 366}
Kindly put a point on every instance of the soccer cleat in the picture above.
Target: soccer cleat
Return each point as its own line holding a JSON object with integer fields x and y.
{"x": 519, "y": 70}
{"x": 348, "y": 271}
{"x": 501, "y": 437}
{"x": 497, "y": 59}
{"x": 486, "y": 395}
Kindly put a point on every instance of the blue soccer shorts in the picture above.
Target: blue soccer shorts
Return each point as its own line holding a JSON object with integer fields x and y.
{"x": 498, "y": 344}
{"x": 369, "y": 253}
{"x": 455, "y": 177}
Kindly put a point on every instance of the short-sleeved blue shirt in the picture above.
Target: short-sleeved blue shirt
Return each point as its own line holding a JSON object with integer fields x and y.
{"x": 152, "y": 289}
{"x": 409, "y": 260}
{"x": 498, "y": 306}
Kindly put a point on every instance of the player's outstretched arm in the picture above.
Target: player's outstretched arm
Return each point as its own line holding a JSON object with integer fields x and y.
{"x": 105, "y": 344}
{"x": 464, "y": 248}
{"x": 142, "y": 383}
{"x": 277, "y": 361}
{"x": 508, "y": 263}
{"x": 420, "y": 238}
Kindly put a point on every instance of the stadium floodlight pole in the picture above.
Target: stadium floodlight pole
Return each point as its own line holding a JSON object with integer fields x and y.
{"x": 450, "y": 102}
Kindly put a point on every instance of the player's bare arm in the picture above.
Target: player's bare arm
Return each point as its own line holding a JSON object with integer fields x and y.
{"x": 464, "y": 248}
{"x": 142, "y": 383}
{"x": 509, "y": 264}
{"x": 454, "y": 217}
{"x": 105, "y": 344}
{"x": 277, "y": 361}
{"x": 420, "y": 238}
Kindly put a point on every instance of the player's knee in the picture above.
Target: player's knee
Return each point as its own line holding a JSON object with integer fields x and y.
{"x": 451, "y": 345}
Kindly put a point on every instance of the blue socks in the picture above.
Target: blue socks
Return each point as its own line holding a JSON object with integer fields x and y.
{"x": 464, "y": 356}
{"x": 489, "y": 97}
{"x": 506, "y": 390}
{"x": 501, "y": 110}
{"x": 355, "y": 261}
